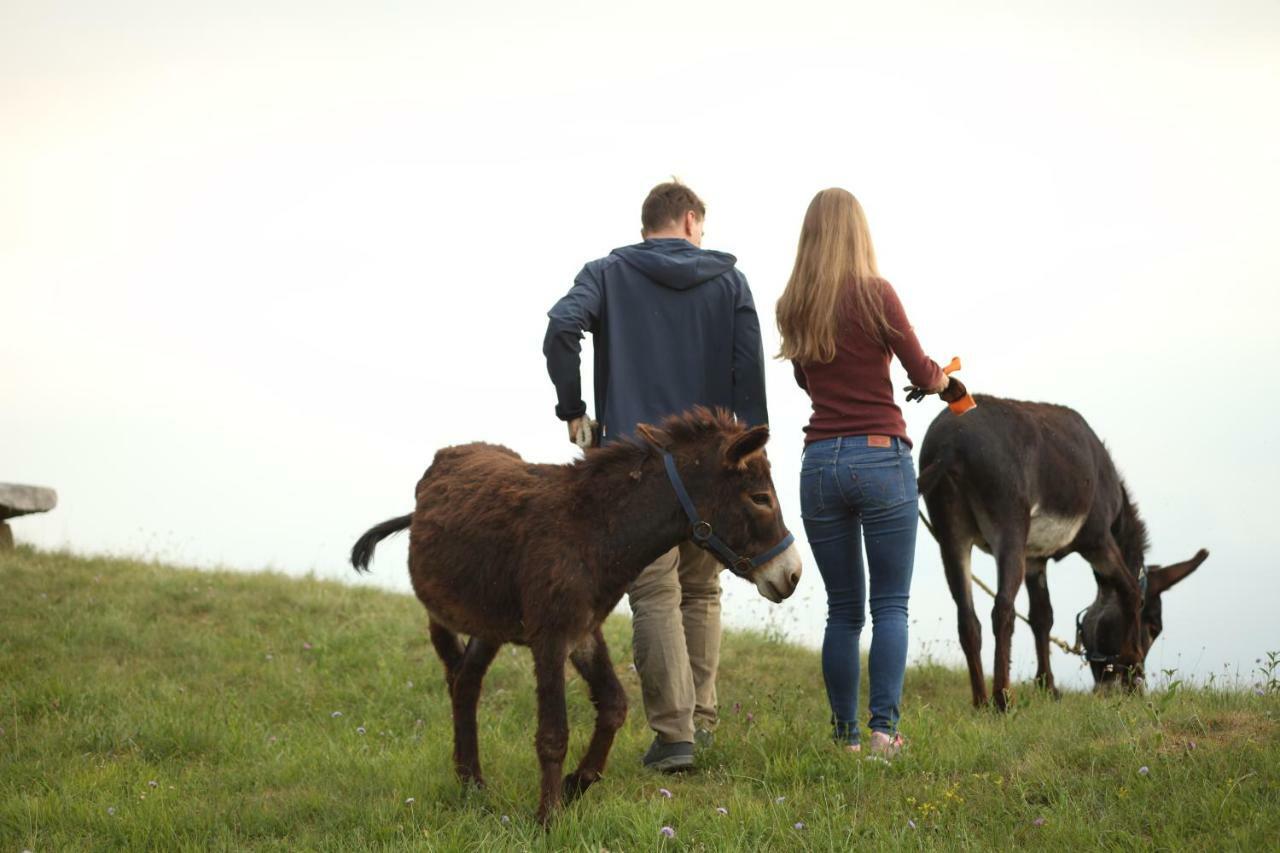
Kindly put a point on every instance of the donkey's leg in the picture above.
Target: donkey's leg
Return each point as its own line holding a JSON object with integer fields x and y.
{"x": 466, "y": 696}
{"x": 1041, "y": 621}
{"x": 956, "y": 556}
{"x": 553, "y": 722}
{"x": 448, "y": 647}
{"x": 1011, "y": 566}
{"x": 592, "y": 661}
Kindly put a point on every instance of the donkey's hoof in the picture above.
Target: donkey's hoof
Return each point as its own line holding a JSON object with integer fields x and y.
{"x": 575, "y": 784}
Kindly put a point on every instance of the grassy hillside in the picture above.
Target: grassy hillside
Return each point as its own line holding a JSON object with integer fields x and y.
{"x": 147, "y": 706}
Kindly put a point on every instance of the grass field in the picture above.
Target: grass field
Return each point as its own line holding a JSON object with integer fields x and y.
{"x": 144, "y": 706}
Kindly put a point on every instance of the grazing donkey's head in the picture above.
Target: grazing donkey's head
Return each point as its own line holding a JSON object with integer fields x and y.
{"x": 1102, "y": 627}
{"x": 723, "y": 469}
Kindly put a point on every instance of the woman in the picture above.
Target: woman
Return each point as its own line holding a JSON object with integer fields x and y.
{"x": 841, "y": 324}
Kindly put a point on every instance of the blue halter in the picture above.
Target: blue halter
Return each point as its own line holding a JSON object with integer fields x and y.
{"x": 1098, "y": 657}
{"x": 705, "y": 538}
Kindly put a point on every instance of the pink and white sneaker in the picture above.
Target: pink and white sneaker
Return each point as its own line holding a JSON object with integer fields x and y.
{"x": 885, "y": 746}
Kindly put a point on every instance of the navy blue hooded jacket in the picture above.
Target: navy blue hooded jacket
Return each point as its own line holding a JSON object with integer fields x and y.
{"x": 672, "y": 325}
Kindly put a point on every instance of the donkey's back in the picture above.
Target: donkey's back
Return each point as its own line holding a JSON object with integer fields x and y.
{"x": 483, "y": 514}
{"x": 1011, "y": 459}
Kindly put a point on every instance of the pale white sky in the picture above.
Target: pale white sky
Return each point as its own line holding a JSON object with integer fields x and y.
{"x": 259, "y": 261}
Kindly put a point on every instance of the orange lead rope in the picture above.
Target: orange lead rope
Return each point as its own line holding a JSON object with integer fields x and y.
{"x": 966, "y": 402}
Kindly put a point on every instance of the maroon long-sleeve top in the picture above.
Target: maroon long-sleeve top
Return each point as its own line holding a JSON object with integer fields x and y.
{"x": 852, "y": 394}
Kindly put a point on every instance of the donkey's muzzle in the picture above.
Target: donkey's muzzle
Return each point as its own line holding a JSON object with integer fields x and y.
{"x": 777, "y": 579}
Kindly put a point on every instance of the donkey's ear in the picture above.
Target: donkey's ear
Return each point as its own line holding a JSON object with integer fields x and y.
{"x": 746, "y": 445}
{"x": 658, "y": 438}
{"x": 1160, "y": 580}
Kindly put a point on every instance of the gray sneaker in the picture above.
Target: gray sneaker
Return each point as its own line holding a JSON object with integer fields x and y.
{"x": 669, "y": 757}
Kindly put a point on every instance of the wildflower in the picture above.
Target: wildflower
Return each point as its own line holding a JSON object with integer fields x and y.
{"x": 1038, "y": 822}
{"x": 667, "y": 831}
{"x": 737, "y": 706}
{"x": 410, "y": 801}
{"x": 417, "y": 722}
{"x": 111, "y": 810}
{"x": 152, "y": 784}
{"x": 306, "y": 647}
{"x": 336, "y": 714}
{"x": 911, "y": 823}
{"x": 751, "y": 718}
{"x": 798, "y": 824}
{"x": 780, "y": 800}
{"x": 409, "y": 685}
{"x": 1191, "y": 745}
{"x": 270, "y": 656}
{"x": 665, "y": 793}
{"x": 1144, "y": 770}
{"x": 721, "y": 810}
{"x": 504, "y": 820}
{"x": 359, "y": 730}
{"x": 1258, "y": 691}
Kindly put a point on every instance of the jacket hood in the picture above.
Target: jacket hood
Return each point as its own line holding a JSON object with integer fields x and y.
{"x": 676, "y": 263}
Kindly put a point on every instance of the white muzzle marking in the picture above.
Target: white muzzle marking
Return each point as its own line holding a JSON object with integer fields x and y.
{"x": 777, "y": 579}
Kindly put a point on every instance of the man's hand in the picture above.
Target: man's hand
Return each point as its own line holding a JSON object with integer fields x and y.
{"x": 582, "y": 432}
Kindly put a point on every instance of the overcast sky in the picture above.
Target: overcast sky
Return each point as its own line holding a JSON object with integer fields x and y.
{"x": 258, "y": 261}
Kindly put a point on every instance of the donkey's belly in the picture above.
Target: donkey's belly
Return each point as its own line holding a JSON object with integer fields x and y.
{"x": 1050, "y": 534}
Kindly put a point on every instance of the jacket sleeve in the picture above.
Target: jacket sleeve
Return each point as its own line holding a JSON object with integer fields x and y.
{"x": 749, "y": 403}
{"x": 921, "y": 370}
{"x": 577, "y": 312}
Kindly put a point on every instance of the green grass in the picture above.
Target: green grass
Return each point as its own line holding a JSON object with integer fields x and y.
{"x": 143, "y": 706}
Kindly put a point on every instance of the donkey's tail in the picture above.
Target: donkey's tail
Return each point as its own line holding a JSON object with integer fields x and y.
{"x": 362, "y": 551}
{"x": 936, "y": 471}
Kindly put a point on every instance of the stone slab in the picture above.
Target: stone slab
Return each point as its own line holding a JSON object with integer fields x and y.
{"x": 18, "y": 500}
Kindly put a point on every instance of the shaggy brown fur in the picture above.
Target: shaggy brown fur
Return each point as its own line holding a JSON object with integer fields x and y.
{"x": 986, "y": 477}
{"x": 507, "y": 551}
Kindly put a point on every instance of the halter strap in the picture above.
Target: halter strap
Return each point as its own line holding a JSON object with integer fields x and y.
{"x": 704, "y": 537}
{"x": 1095, "y": 657}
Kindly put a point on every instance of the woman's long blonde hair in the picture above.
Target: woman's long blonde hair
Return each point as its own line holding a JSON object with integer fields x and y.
{"x": 835, "y": 261}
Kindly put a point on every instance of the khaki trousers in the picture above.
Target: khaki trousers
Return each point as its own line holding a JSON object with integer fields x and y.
{"x": 675, "y": 607}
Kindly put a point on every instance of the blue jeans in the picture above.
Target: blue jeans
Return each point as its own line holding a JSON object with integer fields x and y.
{"x": 851, "y": 491}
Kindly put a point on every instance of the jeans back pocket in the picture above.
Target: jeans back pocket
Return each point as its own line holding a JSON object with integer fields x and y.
{"x": 811, "y": 504}
{"x": 879, "y": 485}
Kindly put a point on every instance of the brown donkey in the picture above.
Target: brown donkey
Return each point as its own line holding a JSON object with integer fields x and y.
{"x": 1030, "y": 482}
{"x": 506, "y": 551}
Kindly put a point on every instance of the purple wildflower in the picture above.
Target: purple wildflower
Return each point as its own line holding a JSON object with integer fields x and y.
{"x": 306, "y": 647}
{"x": 1191, "y": 744}
{"x": 359, "y": 730}
{"x": 336, "y": 714}
{"x": 111, "y": 810}
{"x": 799, "y": 824}
{"x": 664, "y": 792}
{"x": 737, "y": 706}
{"x": 751, "y": 718}
{"x": 721, "y": 810}
{"x": 1144, "y": 770}
{"x": 911, "y": 823}
{"x": 1038, "y": 822}
{"x": 667, "y": 831}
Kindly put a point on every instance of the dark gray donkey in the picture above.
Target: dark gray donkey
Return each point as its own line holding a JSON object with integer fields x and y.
{"x": 1030, "y": 482}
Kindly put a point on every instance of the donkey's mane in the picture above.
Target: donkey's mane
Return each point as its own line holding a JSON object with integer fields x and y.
{"x": 1130, "y": 532}
{"x": 693, "y": 426}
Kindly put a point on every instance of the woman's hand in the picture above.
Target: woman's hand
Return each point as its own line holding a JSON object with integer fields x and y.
{"x": 950, "y": 392}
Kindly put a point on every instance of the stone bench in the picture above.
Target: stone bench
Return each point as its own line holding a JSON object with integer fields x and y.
{"x": 18, "y": 500}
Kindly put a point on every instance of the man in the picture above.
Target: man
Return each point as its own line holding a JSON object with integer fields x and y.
{"x": 673, "y": 326}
